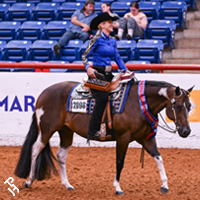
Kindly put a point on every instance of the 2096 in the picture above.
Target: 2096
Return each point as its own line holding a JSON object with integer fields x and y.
{"x": 78, "y": 105}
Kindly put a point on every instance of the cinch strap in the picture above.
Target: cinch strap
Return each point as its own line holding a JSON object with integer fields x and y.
{"x": 144, "y": 108}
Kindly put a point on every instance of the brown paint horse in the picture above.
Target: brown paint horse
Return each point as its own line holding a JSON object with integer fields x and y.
{"x": 50, "y": 116}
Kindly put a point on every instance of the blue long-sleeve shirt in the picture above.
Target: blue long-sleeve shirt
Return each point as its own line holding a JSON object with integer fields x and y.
{"x": 104, "y": 49}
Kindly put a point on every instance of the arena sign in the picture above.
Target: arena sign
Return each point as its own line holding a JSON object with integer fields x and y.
{"x": 16, "y": 105}
{"x": 19, "y": 92}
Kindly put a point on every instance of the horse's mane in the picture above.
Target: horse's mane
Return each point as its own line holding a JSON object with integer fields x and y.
{"x": 156, "y": 83}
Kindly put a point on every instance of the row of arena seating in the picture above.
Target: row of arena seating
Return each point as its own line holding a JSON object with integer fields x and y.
{"x": 172, "y": 10}
{"x": 42, "y": 50}
{"x": 190, "y": 3}
{"x": 38, "y": 30}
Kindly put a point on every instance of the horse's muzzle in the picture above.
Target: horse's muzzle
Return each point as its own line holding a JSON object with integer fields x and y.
{"x": 184, "y": 132}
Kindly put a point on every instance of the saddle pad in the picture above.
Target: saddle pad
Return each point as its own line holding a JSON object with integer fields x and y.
{"x": 86, "y": 105}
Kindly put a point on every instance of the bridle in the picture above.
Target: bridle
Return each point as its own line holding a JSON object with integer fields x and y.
{"x": 173, "y": 102}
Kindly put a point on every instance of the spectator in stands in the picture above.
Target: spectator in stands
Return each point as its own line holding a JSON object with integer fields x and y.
{"x": 133, "y": 23}
{"x": 105, "y": 7}
{"x": 79, "y": 27}
{"x": 103, "y": 48}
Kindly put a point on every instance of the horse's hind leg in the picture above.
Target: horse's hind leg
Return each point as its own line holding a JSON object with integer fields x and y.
{"x": 151, "y": 147}
{"x": 66, "y": 137}
{"x": 36, "y": 149}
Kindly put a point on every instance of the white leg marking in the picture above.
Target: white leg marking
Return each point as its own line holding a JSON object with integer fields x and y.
{"x": 163, "y": 92}
{"x": 36, "y": 149}
{"x": 39, "y": 112}
{"x": 62, "y": 156}
{"x": 117, "y": 186}
{"x": 161, "y": 168}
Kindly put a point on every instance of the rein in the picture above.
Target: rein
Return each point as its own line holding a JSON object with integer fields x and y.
{"x": 168, "y": 128}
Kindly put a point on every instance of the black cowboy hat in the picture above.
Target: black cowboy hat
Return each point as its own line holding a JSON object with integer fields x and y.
{"x": 101, "y": 18}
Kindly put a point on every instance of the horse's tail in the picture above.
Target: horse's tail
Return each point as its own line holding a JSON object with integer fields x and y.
{"x": 44, "y": 162}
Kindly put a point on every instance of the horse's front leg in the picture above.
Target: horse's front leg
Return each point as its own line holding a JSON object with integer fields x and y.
{"x": 151, "y": 147}
{"x": 122, "y": 145}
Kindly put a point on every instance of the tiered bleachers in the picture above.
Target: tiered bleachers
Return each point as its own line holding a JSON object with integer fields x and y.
{"x": 42, "y": 23}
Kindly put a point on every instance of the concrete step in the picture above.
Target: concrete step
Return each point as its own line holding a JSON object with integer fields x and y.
{"x": 188, "y": 44}
{"x": 191, "y": 33}
{"x": 181, "y": 61}
{"x": 193, "y": 24}
{"x": 197, "y": 15}
{"x": 190, "y": 16}
{"x": 186, "y": 54}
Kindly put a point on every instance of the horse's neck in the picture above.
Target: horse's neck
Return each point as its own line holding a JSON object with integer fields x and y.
{"x": 156, "y": 102}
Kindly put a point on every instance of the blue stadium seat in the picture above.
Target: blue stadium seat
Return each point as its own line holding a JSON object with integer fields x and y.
{"x": 58, "y": 1}
{"x": 67, "y": 9}
{"x": 17, "y": 50}
{"x": 160, "y": 1}
{"x": 150, "y": 9}
{"x": 3, "y": 11}
{"x": 58, "y": 70}
{"x": 126, "y": 49}
{"x": 2, "y": 45}
{"x": 150, "y": 50}
{"x": 46, "y": 11}
{"x": 42, "y": 50}
{"x": 190, "y": 4}
{"x": 9, "y": 30}
{"x": 121, "y": 8}
{"x": 55, "y": 29}
{"x": 97, "y": 7}
{"x": 34, "y": 1}
{"x": 20, "y": 12}
{"x": 31, "y": 30}
{"x": 10, "y": 1}
{"x": 174, "y": 10}
{"x": 162, "y": 30}
{"x": 71, "y": 51}
{"x": 140, "y": 62}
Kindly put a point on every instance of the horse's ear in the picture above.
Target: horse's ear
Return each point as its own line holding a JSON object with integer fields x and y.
{"x": 177, "y": 91}
{"x": 190, "y": 90}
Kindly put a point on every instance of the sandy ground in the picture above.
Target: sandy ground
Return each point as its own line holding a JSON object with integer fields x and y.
{"x": 92, "y": 170}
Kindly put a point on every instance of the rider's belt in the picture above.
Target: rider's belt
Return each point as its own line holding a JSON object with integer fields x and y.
{"x": 108, "y": 68}
{"x": 103, "y": 69}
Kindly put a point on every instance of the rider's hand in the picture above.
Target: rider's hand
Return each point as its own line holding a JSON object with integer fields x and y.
{"x": 127, "y": 71}
{"x": 90, "y": 72}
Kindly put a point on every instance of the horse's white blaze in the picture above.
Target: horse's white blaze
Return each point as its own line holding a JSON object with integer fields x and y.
{"x": 161, "y": 168}
{"x": 62, "y": 156}
{"x": 39, "y": 112}
{"x": 117, "y": 185}
{"x": 163, "y": 92}
{"x": 36, "y": 149}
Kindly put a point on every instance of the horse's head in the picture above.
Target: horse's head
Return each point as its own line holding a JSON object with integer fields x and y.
{"x": 177, "y": 110}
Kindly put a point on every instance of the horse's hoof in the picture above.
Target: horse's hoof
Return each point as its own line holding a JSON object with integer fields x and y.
{"x": 70, "y": 188}
{"x": 164, "y": 190}
{"x": 119, "y": 193}
{"x": 26, "y": 185}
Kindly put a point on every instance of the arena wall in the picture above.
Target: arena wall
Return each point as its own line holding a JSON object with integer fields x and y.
{"x": 19, "y": 91}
